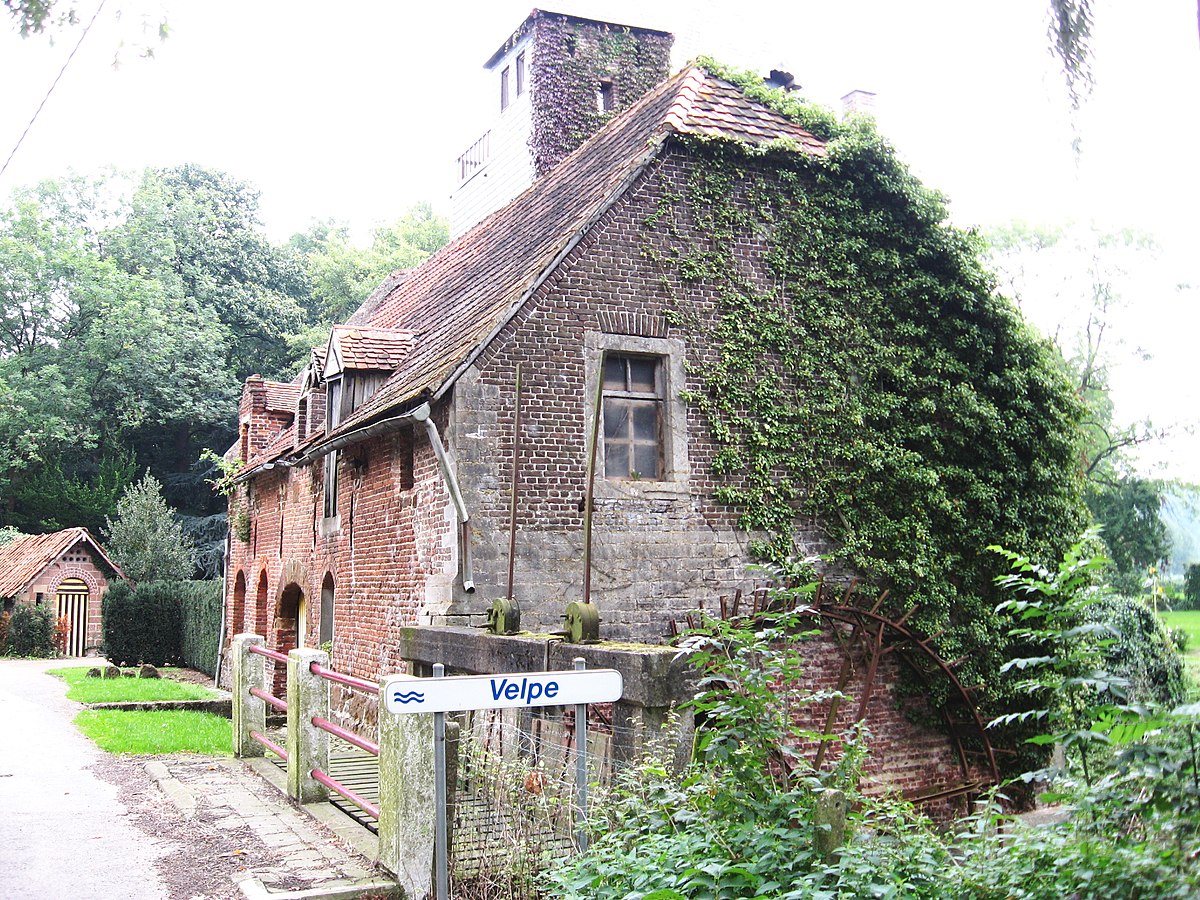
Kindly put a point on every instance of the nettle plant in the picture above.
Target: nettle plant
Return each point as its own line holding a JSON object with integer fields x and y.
{"x": 1078, "y": 703}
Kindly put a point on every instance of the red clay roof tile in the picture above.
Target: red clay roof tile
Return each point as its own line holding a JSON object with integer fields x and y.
{"x": 457, "y": 299}
{"x": 24, "y": 559}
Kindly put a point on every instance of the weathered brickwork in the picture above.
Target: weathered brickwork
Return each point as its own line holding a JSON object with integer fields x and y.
{"x": 389, "y": 554}
{"x": 661, "y": 548}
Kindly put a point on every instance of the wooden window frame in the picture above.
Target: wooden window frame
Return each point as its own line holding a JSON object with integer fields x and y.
{"x": 625, "y": 440}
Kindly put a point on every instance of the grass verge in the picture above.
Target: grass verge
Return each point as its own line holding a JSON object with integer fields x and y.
{"x": 152, "y": 732}
{"x": 137, "y": 690}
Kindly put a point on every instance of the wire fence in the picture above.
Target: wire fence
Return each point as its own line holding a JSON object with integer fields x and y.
{"x": 514, "y": 815}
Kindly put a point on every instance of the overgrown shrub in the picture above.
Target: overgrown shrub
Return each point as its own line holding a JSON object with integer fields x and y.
{"x": 1142, "y": 650}
{"x": 31, "y": 632}
{"x": 5, "y": 619}
{"x": 142, "y": 626}
{"x": 730, "y": 827}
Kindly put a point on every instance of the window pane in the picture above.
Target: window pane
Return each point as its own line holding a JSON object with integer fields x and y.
{"x": 616, "y": 419}
{"x": 641, "y": 374}
{"x": 614, "y": 373}
{"x": 645, "y": 460}
{"x": 645, "y": 420}
{"x": 616, "y": 460}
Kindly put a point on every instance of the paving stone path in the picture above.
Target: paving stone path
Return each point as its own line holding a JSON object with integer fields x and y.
{"x": 80, "y": 823}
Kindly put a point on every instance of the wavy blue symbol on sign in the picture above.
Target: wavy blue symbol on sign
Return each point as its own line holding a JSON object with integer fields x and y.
{"x": 408, "y": 697}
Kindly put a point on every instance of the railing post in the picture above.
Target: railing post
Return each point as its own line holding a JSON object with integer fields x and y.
{"x": 407, "y": 811}
{"x": 249, "y": 713}
{"x": 307, "y": 745}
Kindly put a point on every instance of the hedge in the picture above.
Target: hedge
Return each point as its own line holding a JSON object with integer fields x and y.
{"x": 202, "y": 623}
{"x": 163, "y": 623}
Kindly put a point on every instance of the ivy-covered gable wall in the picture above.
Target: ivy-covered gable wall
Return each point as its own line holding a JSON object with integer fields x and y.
{"x": 859, "y": 372}
{"x": 571, "y": 57}
{"x": 853, "y": 387}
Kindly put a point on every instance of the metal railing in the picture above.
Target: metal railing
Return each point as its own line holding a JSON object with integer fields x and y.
{"x": 324, "y": 777}
{"x": 269, "y": 699}
{"x": 474, "y": 157}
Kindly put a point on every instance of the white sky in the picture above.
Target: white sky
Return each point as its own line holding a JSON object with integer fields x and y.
{"x": 355, "y": 111}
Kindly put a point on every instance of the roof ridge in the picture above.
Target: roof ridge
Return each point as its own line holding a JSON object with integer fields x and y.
{"x": 686, "y": 95}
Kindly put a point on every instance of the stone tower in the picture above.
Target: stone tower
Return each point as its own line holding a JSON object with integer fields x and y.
{"x": 557, "y": 79}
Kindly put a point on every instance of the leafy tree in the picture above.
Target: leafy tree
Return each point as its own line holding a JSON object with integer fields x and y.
{"x": 53, "y": 499}
{"x": 96, "y": 362}
{"x": 8, "y": 534}
{"x": 342, "y": 276}
{"x": 144, "y": 537}
{"x": 197, "y": 231}
{"x": 1134, "y": 532}
{"x": 1072, "y": 281}
{"x": 1191, "y": 586}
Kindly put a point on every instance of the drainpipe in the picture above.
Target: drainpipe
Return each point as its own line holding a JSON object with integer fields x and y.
{"x": 421, "y": 414}
{"x": 224, "y": 605}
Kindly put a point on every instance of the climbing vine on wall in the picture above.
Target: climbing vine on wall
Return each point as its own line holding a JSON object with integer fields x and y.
{"x": 867, "y": 377}
{"x": 570, "y": 60}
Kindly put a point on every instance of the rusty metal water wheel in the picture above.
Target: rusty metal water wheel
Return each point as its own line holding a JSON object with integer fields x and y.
{"x": 872, "y": 636}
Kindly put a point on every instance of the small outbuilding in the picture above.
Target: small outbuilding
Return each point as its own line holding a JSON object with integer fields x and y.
{"x": 66, "y": 570}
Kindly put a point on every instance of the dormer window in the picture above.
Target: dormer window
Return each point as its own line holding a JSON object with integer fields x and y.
{"x": 357, "y": 363}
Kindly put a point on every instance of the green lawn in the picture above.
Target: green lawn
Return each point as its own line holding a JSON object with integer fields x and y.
{"x": 150, "y": 732}
{"x": 1188, "y": 621}
{"x": 139, "y": 690}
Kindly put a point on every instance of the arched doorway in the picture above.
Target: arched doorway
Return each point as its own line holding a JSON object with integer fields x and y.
{"x": 262, "y": 609}
{"x": 289, "y": 630}
{"x": 325, "y": 634}
{"x": 73, "y": 604}
{"x": 237, "y": 617}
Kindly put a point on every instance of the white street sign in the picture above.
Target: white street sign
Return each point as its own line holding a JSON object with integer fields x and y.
{"x": 404, "y": 694}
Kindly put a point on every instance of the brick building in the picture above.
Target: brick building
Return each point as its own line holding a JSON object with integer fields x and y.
{"x": 66, "y": 571}
{"x": 377, "y": 488}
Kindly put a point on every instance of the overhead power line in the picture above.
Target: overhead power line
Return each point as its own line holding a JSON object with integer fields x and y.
{"x": 57, "y": 78}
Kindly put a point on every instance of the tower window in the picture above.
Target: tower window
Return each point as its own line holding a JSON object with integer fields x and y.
{"x": 520, "y": 73}
{"x": 606, "y": 97}
{"x": 504, "y": 89}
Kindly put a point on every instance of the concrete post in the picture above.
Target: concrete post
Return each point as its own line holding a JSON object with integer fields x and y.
{"x": 249, "y": 713}
{"x": 307, "y": 745}
{"x": 406, "y": 799}
{"x": 829, "y": 819}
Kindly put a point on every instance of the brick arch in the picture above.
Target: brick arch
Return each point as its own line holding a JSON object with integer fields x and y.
{"x": 237, "y": 617}
{"x": 262, "y": 603}
{"x": 87, "y": 576}
{"x": 293, "y": 572}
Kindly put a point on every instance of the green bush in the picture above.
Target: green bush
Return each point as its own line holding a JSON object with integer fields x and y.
{"x": 1143, "y": 651}
{"x": 200, "y": 608}
{"x": 31, "y": 632}
{"x": 737, "y": 824}
{"x": 142, "y": 626}
{"x": 1191, "y": 588}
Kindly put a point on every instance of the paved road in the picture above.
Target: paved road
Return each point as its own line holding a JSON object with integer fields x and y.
{"x": 63, "y": 831}
{"x": 77, "y": 823}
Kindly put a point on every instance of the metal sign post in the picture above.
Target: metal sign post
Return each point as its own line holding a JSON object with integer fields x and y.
{"x": 581, "y": 779}
{"x": 440, "y": 850}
